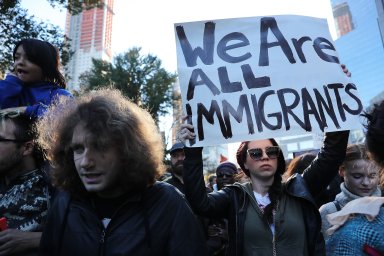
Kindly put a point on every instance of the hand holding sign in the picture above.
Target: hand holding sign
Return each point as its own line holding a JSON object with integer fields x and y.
{"x": 185, "y": 131}
{"x": 262, "y": 77}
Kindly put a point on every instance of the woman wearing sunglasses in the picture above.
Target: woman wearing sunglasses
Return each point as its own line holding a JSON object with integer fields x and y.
{"x": 266, "y": 216}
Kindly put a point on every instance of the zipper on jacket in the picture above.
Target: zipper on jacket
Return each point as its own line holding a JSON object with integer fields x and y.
{"x": 102, "y": 242}
{"x": 102, "y": 237}
{"x": 274, "y": 233}
{"x": 104, "y": 230}
{"x": 274, "y": 237}
{"x": 274, "y": 245}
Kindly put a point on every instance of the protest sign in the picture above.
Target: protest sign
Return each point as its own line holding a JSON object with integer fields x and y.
{"x": 262, "y": 77}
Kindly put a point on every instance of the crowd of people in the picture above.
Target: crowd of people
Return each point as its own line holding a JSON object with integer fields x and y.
{"x": 84, "y": 175}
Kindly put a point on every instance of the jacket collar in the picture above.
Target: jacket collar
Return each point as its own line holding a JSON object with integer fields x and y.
{"x": 297, "y": 186}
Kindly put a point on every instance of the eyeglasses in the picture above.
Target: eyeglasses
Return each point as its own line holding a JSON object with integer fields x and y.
{"x": 257, "y": 153}
{"x": 11, "y": 140}
{"x": 10, "y": 113}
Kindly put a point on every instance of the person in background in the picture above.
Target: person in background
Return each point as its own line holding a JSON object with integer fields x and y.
{"x": 106, "y": 154}
{"x": 215, "y": 232}
{"x": 24, "y": 187}
{"x": 299, "y": 164}
{"x": 358, "y": 228}
{"x": 177, "y": 158}
{"x": 218, "y": 227}
{"x": 225, "y": 173}
{"x": 35, "y": 81}
{"x": 212, "y": 185}
{"x": 361, "y": 178}
{"x": 241, "y": 177}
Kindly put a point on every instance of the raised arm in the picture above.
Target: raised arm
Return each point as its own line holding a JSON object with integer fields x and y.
{"x": 326, "y": 165}
{"x": 214, "y": 204}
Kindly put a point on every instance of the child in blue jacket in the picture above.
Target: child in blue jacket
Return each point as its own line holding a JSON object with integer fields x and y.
{"x": 35, "y": 81}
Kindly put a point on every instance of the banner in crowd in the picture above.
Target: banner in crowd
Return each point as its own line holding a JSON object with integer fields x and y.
{"x": 262, "y": 77}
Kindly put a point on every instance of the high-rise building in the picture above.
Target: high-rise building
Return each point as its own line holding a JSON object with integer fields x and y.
{"x": 360, "y": 31}
{"x": 91, "y": 36}
{"x": 343, "y": 19}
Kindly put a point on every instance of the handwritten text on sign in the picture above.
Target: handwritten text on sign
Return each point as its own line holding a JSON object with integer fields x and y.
{"x": 261, "y": 77}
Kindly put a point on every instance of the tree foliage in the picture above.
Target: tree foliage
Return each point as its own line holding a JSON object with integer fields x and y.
{"x": 17, "y": 24}
{"x": 140, "y": 78}
{"x": 76, "y": 6}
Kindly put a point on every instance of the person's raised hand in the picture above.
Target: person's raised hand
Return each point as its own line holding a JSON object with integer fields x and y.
{"x": 185, "y": 131}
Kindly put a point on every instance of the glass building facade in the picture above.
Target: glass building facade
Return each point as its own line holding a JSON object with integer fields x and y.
{"x": 360, "y": 26}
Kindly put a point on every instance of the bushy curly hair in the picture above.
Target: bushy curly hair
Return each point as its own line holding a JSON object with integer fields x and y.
{"x": 112, "y": 120}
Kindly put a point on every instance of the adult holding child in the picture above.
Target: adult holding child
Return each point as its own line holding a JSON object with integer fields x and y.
{"x": 35, "y": 80}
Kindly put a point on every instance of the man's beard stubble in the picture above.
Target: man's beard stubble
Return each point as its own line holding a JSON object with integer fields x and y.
{"x": 10, "y": 164}
{"x": 178, "y": 168}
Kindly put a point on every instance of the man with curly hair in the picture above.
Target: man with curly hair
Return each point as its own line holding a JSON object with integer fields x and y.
{"x": 106, "y": 154}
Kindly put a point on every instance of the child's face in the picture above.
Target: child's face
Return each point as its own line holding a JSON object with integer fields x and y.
{"x": 26, "y": 70}
{"x": 361, "y": 177}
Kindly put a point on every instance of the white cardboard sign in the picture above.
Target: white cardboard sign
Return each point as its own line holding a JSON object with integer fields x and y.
{"x": 262, "y": 77}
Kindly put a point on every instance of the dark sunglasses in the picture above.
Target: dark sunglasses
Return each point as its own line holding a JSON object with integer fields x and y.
{"x": 257, "y": 153}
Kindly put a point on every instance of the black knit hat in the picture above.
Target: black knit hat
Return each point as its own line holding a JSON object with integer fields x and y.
{"x": 227, "y": 166}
